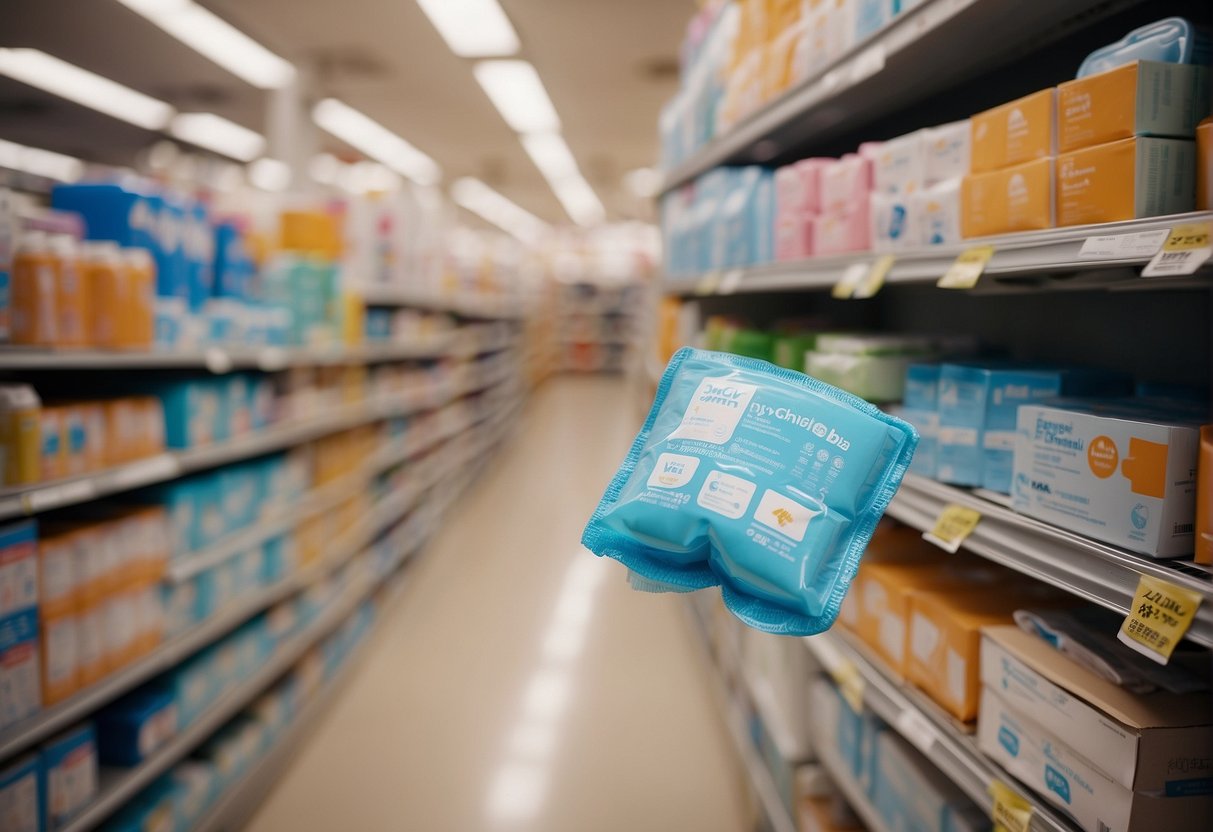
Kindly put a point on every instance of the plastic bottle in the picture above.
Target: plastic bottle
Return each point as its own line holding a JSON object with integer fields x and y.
{"x": 72, "y": 295}
{"x": 141, "y": 275}
{"x": 32, "y": 293}
{"x": 20, "y": 434}
{"x": 105, "y": 275}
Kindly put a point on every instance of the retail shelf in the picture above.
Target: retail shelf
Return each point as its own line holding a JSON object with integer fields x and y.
{"x": 845, "y": 780}
{"x": 1038, "y": 260}
{"x": 1096, "y": 571}
{"x": 919, "y": 53}
{"x": 46, "y": 722}
{"x": 760, "y": 777}
{"x": 221, "y": 360}
{"x": 924, "y": 726}
{"x": 26, "y": 500}
{"x": 469, "y": 307}
{"x": 792, "y": 748}
{"x": 611, "y": 341}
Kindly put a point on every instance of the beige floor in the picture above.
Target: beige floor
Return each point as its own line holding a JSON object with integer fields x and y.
{"x": 519, "y": 683}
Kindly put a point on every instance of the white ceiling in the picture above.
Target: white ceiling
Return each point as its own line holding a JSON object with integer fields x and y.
{"x": 384, "y": 58}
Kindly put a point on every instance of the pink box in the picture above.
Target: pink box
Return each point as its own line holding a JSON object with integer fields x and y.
{"x": 798, "y": 186}
{"x": 843, "y": 232}
{"x": 794, "y": 237}
{"x": 845, "y": 185}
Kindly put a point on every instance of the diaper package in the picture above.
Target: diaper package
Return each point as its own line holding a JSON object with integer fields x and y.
{"x": 755, "y": 478}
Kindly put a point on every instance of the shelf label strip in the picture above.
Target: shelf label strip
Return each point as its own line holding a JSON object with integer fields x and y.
{"x": 1123, "y": 246}
{"x": 1160, "y": 615}
{"x": 954, "y": 524}
{"x": 1186, "y": 250}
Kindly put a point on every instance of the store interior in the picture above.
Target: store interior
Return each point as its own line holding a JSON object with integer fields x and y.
{"x": 739, "y": 415}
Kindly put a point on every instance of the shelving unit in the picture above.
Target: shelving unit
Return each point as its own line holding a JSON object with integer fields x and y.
{"x": 487, "y": 307}
{"x": 850, "y": 788}
{"x": 1090, "y": 569}
{"x": 924, "y": 726}
{"x": 921, "y": 52}
{"x": 1036, "y": 261}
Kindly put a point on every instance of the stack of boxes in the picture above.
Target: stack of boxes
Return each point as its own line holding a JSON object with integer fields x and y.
{"x": 916, "y": 187}
{"x": 19, "y": 678}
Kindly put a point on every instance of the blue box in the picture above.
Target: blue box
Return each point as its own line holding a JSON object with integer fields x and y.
{"x": 922, "y": 387}
{"x": 850, "y": 736}
{"x": 978, "y": 410}
{"x": 241, "y": 493}
{"x": 19, "y": 787}
{"x": 152, "y": 810}
{"x": 199, "y": 249}
{"x": 748, "y": 210}
{"x": 193, "y": 686}
{"x": 19, "y": 561}
{"x": 193, "y": 412}
{"x": 19, "y": 676}
{"x": 194, "y": 791}
{"x": 233, "y": 268}
{"x": 68, "y": 774}
{"x": 136, "y": 726}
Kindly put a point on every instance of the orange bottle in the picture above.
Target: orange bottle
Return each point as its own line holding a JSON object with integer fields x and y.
{"x": 140, "y": 332}
{"x": 71, "y": 294}
{"x": 106, "y": 278}
{"x": 32, "y": 293}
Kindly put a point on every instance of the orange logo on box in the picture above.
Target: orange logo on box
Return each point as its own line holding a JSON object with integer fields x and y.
{"x": 1103, "y": 457}
{"x": 783, "y": 516}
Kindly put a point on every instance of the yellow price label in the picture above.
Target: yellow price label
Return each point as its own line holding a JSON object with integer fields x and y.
{"x": 1160, "y": 615}
{"x": 953, "y": 525}
{"x": 874, "y": 279}
{"x": 1186, "y": 250}
{"x": 966, "y": 269}
{"x": 849, "y": 282}
{"x": 1011, "y": 812}
{"x": 707, "y": 284}
{"x": 850, "y": 684}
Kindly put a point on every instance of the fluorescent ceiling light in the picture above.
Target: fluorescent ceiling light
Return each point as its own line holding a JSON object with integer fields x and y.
{"x": 579, "y": 200}
{"x": 555, "y": 161}
{"x": 218, "y": 40}
{"x": 218, "y": 134}
{"x": 517, "y": 92}
{"x": 491, "y": 206}
{"x": 40, "y": 162}
{"x": 270, "y": 174}
{"x": 472, "y": 28}
{"x": 325, "y": 168}
{"x": 376, "y": 141}
{"x": 46, "y": 72}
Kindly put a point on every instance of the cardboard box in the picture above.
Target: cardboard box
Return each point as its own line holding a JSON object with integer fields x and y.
{"x": 1204, "y": 498}
{"x": 899, "y": 166}
{"x": 1017, "y": 132}
{"x": 1157, "y": 743}
{"x": 910, "y": 793}
{"x": 1018, "y": 198}
{"x": 68, "y": 776}
{"x": 1144, "y": 98}
{"x": 1125, "y": 180}
{"x": 1204, "y": 165}
{"x": 945, "y": 637}
{"x": 948, "y": 150}
{"x": 1119, "y": 472}
{"x": 19, "y": 800}
{"x": 1047, "y": 765}
{"x": 19, "y": 667}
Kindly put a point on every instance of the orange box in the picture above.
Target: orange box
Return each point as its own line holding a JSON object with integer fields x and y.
{"x": 891, "y": 543}
{"x": 1125, "y": 180}
{"x": 32, "y": 288}
{"x": 1204, "y": 498}
{"x": 1019, "y": 131}
{"x": 945, "y": 637}
{"x": 1144, "y": 98}
{"x": 54, "y": 454}
{"x": 1019, "y": 198}
{"x": 1204, "y": 165}
{"x": 60, "y": 656}
{"x": 91, "y": 660}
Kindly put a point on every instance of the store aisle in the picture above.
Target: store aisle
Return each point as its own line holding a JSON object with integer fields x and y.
{"x": 519, "y": 683}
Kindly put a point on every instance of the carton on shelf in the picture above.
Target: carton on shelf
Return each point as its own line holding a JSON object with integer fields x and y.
{"x": 1014, "y": 133}
{"x": 1124, "y": 180}
{"x": 1018, "y": 198}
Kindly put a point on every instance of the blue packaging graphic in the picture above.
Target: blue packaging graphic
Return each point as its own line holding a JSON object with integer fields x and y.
{"x": 755, "y": 478}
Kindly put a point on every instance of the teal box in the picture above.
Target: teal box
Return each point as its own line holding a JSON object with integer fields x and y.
{"x": 193, "y": 686}
{"x": 910, "y": 793}
{"x": 850, "y": 736}
{"x": 193, "y": 413}
{"x": 19, "y": 796}
{"x": 922, "y": 387}
{"x": 749, "y": 217}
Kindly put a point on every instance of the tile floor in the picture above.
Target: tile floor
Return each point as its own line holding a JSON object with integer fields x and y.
{"x": 519, "y": 683}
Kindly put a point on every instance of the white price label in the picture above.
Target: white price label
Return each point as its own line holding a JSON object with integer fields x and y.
{"x": 917, "y": 729}
{"x": 850, "y": 280}
{"x": 867, "y": 63}
{"x": 1123, "y": 246}
{"x": 730, "y": 282}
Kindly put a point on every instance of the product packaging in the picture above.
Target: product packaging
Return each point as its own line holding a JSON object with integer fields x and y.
{"x": 1002, "y": 201}
{"x": 68, "y": 774}
{"x": 1125, "y": 180}
{"x": 755, "y": 478}
{"x": 1014, "y": 133}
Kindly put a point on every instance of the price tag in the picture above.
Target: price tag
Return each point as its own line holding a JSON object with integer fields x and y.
{"x": 730, "y": 282}
{"x": 217, "y": 361}
{"x": 966, "y": 270}
{"x": 917, "y": 729}
{"x": 850, "y": 683}
{"x": 707, "y": 284}
{"x": 874, "y": 279}
{"x": 1160, "y": 615}
{"x": 867, "y": 63}
{"x": 1123, "y": 246}
{"x": 1012, "y": 812}
{"x": 955, "y": 523}
{"x": 1185, "y": 251}
{"x": 849, "y": 282}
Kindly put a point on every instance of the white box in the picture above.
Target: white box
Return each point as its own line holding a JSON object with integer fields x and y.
{"x": 1155, "y": 743}
{"x": 1069, "y": 782}
{"x": 899, "y": 166}
{"x": 947, "y": 149}
{"x": 937, "y": 211}
{"x": 1118, "y": 472}
{"x": 895, "y": 224}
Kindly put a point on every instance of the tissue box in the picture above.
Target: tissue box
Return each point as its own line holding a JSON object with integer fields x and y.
{"x": 895, "y": 223}
{"x": 842, "y": 233}
{"x": 1119, "y": 472}
{"x": 845, "y": 184}
{"x": 899, "y": 166}
{"x": 1051, "y": 768}
{"x": 937, "y": 212}
{"x": 794, "y": 237}
{"x": 1125, "y": 180}
{"x": 1143, "y": 98}
{"x": 1151, "y": 742}
{"x": 947, "y": 151}
{"x": 798, "y": 187}
{"x": 1010, "y": 199}
{"x": 1017, "y": 132}
{"x": 749, "y": 219}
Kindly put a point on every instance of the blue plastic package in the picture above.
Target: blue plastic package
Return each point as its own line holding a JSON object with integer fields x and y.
{"x": 1170, "y": 40}
{"x": 755, "y": 478}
